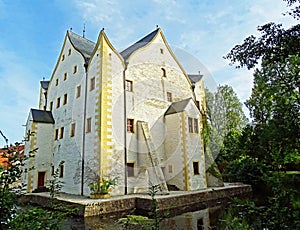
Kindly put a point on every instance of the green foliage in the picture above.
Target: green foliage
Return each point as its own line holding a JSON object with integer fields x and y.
{"x": 55, "y": 184}
{"x": 103, "y": 185}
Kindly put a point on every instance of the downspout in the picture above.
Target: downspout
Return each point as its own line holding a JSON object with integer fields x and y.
{"x": 125, "y": 130}
{"x": 84, "y": 124}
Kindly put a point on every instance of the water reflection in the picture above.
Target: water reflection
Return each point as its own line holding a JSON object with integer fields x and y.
{"x": 202, "y": 219}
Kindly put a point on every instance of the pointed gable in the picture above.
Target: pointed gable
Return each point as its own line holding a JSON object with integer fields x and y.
{"x": 83, "y": 45}
{"x": 139, "y": 44}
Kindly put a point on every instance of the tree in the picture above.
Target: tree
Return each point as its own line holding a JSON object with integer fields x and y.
{"x": 226, "y": 116}
{"x": 275, "y": 100}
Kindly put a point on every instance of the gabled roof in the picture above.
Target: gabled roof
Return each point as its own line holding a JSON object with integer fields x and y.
{"x": 83, "y": 45}
{"x": 139, "y": 44}
{"x": 195, "y": 77}
{"x": 45, "y": 84}
{"x": 177, "y": 107}
{"x": 42, "y": 116}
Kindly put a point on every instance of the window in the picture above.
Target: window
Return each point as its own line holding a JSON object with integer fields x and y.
{"x": 56, "y": 82}
{"x": 196, "y": 128}
{"x": 130, "y": 125}
{"x": 130, "y": 169}
{"x": 56, "y": 134}
{"x": 78, "y": 91}
{"x": 61, "y": 136}
{"x": 128, "y": 85}
{"x": 69, "y": 52}
{"x": 65, "y": 76}
{"x": 58, "y": 102}
{"x": 72, "y": 131}
{"x": 198, "y": 104}
{"x": 89, "y": 125}
{"x": 61, "y": 170}
{"x": 92, "y": 83}
{"x": 169, "y": 96}
{"x": 65, "y": 99}
{"x": 52, "y": 170}
{"x": 196, "y": 168}
{"x": 63, "y": 57}
{"x": 51, "y": 105}
{"x": 164, "y": 73}
{"x": 193, "y": 125}
{"x": 75, "y": 69}
{"x": 190, "y": 125}
{"x": 170, "y": 167}
{"x": 162, "y": 51}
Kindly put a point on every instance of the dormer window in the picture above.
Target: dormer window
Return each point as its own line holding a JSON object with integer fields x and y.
{"x": 164, "y": 73}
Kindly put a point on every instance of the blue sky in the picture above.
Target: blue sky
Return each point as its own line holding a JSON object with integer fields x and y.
{"x": 32, "y": 33}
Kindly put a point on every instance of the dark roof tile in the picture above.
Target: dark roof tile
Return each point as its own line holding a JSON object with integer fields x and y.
{"x": 177, "y": 107}
{"x": 83, "y": 45}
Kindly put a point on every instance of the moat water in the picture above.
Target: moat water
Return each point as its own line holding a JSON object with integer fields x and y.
{"x": 209, "y": 218}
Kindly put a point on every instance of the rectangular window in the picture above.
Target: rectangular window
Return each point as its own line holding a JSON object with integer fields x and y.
{"x": 164, "y": 72}
{"x": 51, "y": 105}
{"x": 72, "y": 131}
{"x": 65, "y": 99}
{"x": 56, "y": 82}
{"x": 52, "y": 170}
{"x": 58, "y": 102}
{"x": 69, "y": 52}
{"x": 130, "y": 125}
{"x": 169, "y": 96}
{"x": 56, "y": 134}
{"x": 128, "y": 86}
{"x": 78, "y": 91}
{"x": 61, "y": 170}
{"x": 65, "y": 76}
{"x": 196, "y": 127}
{"x": 75, "y": 69}
{"x": 130, "y": 169}
{"x": 89, "y": 125}
{"x": 92, "y": 83}
{"x": 170, "y": 167}
{"x": 196, "y": 168}
{"x": 61, "y": 136}
{"x": 63, "y": 57}
{"x": 190, "y": 125}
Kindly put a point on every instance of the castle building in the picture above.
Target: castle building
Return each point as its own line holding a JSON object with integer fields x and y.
{"x": 135, "y": 115}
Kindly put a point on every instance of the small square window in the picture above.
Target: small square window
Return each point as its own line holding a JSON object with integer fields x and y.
{"x": 128, "y": 85}
{"x": 89, "y": 125}
{"x": 56, "y": 134}
{"x": 65, "y": 76}
{"x": 65, "y": 99}
{"x": 61, "y": 136}
{"x": 196, "y": 168}
{"x": 51, "y": 105}
{"x": 130, "y": 169}
{"x": 58, "y": 102}
{"x": 190, "y": 121}
{"x": 72, "y": 132}
{"x": 169, "y": 96}
{"x": 78, "y": 91}
{"x": 75, "y": 69}
{"x": 130, "y": 125}
{"x": 92, "y": 83}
